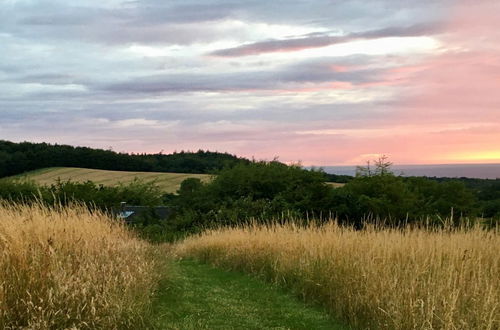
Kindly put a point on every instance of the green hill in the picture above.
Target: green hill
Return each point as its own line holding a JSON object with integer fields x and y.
{"x": 18, "y": 158}
{"x": 169, "y": 182}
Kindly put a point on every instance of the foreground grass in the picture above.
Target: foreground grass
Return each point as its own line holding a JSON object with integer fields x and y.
{"x": 69, "y": 268}
{"x": 198, "y": 296}
{"x": 393, "y": 279}
{"x": 168, "y": 182}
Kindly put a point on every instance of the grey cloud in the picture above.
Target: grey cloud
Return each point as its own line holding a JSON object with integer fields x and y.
{"x": 161, "y": 24}
{"x": 289, "y": 76}
{"x": 188, "y": 110}
{"x": 165, "y": 12}
{"x": 176, "y": 22}
{"x": 225, "y": 82}
{"x": 9, "y": 68}
{"x": 336, "y": 114}
{"x": 52, "y": 79}
{"x": 318, "y": 40}
{"x": 69, "y": 17}
{"x": 408, "y": 31}
{"x": 270, "y": 46}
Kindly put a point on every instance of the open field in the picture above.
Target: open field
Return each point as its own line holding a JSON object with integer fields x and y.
{"x": 169, "y": 182}
{"x": 336, "y": 184}
{"x": 68, "y": 268}
{"x": 374, "y": 278}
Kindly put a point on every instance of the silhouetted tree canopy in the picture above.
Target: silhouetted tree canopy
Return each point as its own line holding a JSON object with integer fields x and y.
{"x": 16, "y": 158}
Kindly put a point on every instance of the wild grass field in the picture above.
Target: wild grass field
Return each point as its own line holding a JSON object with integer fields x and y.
{"x": 373, "y": 278}
{"x": 67, "y": 267}
{"x": 63, "y": 268}
{"x": 168, "y": 182}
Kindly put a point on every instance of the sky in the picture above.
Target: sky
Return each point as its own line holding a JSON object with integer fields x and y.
{"x": 321, "y": 82}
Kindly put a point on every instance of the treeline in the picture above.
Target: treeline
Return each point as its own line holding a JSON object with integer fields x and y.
{"x": 267, "y": 190}
{"x": 272, "y": 191}
{"x": 16, "y": 158}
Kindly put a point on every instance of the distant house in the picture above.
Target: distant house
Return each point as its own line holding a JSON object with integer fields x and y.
{"x": 131, "y": 213}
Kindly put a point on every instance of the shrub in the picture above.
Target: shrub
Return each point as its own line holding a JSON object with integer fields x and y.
{"x": 67, "y": 192}
{"x": 258, "y": 190}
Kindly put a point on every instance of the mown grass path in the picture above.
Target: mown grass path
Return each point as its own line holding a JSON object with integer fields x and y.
{"x": 198, "y": 296}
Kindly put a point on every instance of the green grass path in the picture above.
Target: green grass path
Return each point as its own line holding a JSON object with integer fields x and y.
{"x": 198, "y": 296}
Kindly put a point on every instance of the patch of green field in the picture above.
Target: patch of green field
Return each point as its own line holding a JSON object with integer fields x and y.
{"x": 169, "y": 182}
{"x": 198, "y": 296}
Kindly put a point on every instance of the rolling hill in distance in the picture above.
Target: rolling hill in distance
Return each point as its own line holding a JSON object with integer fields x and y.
{"x": 478, "y": 171}
{"x": 168, "y": 182}
{"x": 18, "y": 158}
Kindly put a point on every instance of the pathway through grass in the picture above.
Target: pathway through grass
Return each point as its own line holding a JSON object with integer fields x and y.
{"x": 199, "y": 296}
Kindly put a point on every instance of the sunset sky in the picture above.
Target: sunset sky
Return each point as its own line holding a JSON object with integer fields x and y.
{"x": 323, "y": 82}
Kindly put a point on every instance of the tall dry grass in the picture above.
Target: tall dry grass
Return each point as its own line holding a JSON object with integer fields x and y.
{"x": 375, "y": 279}
{"x": 69, "y": 268}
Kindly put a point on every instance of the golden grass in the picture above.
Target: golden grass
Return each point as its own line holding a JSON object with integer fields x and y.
{"x": 168, "y": 182}
{"x": 375, "y": 279}
{"x": 69, "y": 268}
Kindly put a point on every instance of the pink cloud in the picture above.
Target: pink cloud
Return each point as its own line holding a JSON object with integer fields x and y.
{"x": 459, "y": 85}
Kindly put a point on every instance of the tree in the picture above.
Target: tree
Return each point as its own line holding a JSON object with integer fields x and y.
{"x": 382, "y": 167}
{"x": 189, "y": 186}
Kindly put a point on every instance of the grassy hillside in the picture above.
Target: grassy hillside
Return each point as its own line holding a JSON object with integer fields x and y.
{"x": 169, "y": 182}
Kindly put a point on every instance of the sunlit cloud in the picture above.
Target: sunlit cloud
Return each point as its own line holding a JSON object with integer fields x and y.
{"x": 391, "y": 37}
{"x": 475, "y": 156}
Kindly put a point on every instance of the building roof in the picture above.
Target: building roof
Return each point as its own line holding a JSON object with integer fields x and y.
{"x": 129, "y": 212}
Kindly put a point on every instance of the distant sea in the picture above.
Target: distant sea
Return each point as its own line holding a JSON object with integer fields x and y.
{"x": 480, "y": 171}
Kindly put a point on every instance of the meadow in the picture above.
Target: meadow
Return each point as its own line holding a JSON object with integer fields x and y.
{"x": 68, "y": 267}
{"x": 167, "y": 182}
{"x": 375, "y": 278}
{"x": 63, "y": 268}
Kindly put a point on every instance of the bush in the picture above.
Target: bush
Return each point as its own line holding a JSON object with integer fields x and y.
{"x": 258, "y": 190}
{"x": 67, "y": 192}
{"x": 22, "y": 191}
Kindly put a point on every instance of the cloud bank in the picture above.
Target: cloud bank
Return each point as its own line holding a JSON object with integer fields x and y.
{"x": 325, "y": 82}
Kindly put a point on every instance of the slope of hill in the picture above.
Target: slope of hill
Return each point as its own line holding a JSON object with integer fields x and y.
{"x": 169, "y": 182}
